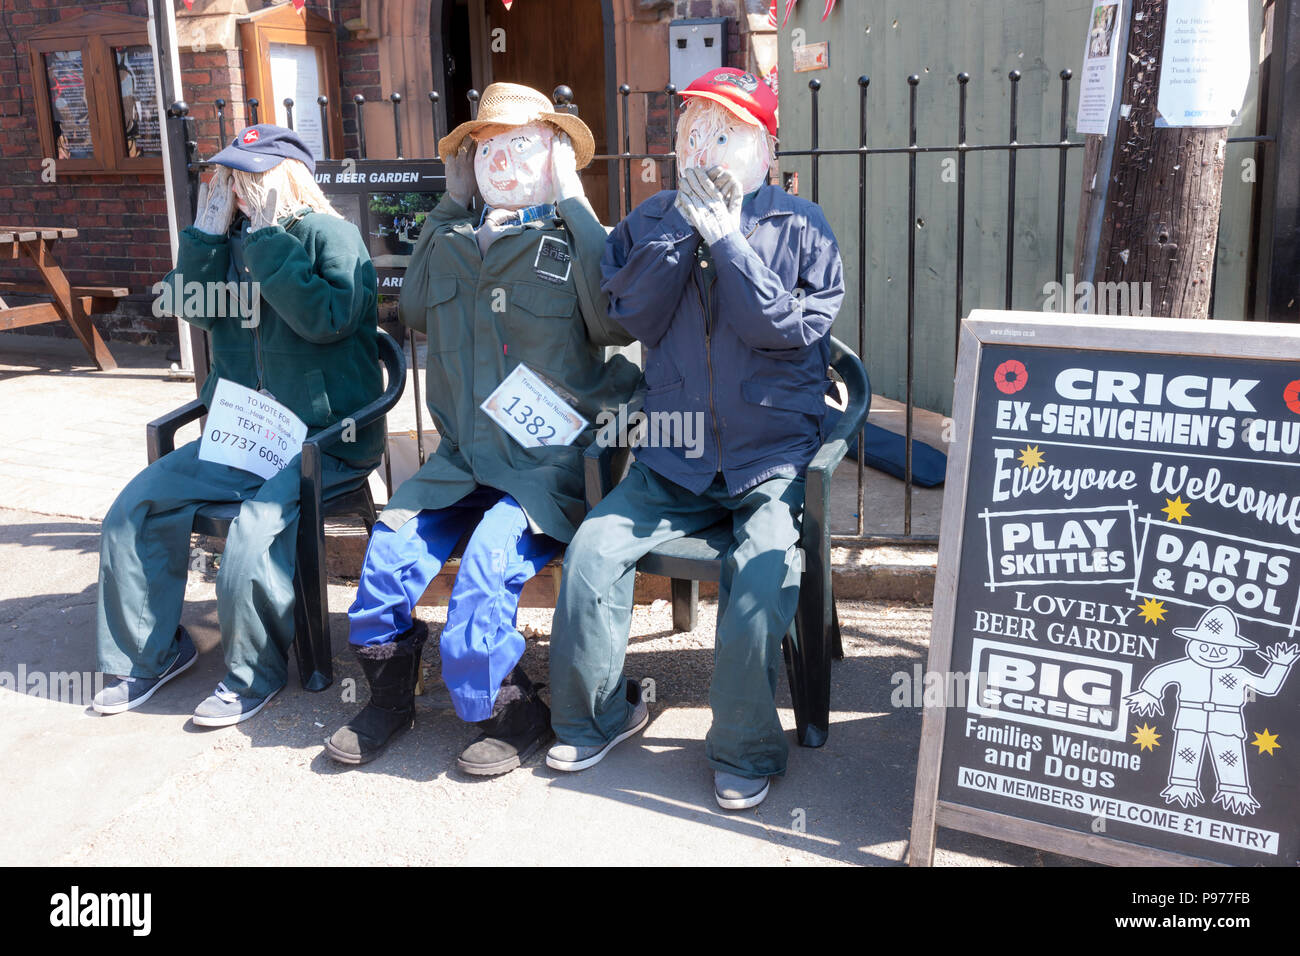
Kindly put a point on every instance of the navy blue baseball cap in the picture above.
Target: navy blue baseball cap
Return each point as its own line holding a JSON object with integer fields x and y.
{"x": 258, "y": 148}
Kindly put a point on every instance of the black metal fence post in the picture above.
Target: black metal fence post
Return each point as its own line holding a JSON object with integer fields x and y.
{"x": 913, "y": 82}
{"x": 357, "y": 102}
{"x": 1014, "y": 78}
{"x": 396, "y": 99}
{"x": 322, "y": 104}
{"x": 863, "y": 83}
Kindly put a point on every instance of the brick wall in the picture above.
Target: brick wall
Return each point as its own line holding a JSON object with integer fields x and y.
{"x": 359, "y": 73}
{"x": 121, "y": 218}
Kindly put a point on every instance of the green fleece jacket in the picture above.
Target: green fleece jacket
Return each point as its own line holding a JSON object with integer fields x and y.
{"x": 309, "y": 338}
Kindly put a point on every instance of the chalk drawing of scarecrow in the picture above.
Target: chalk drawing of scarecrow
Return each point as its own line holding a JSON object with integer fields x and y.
{"x": 1212, "y": 691}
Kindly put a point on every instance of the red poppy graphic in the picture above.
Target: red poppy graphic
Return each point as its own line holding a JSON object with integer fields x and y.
{"x": 1011, "y": 376}
{"x": 1291, "y": 395}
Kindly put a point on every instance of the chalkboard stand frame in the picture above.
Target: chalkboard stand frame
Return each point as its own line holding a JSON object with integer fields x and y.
{"x": 1247, "y": 340}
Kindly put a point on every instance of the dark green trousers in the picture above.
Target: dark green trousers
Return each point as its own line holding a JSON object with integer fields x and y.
{"x": 144, "y": 558}
{"x": 756, "y": 604}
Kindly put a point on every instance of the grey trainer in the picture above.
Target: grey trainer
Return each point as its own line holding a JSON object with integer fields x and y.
{"x": 130, "y": 692}
{"x": 572, "y": 757}
{"x": 734, "y": 792}
{"x": 225, "y": 707}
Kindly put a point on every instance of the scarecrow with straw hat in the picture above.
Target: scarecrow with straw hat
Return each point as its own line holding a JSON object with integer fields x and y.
{"x": 510, "y": 292}
{"x": 1212, "y": 692}
{"x": 732, "y": 285}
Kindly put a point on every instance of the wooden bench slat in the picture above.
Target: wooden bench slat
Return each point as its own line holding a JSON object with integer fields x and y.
{"x": 37, "y": 314}
{"x": 32, "y": 232}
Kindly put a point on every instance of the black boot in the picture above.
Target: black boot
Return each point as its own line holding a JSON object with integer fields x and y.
{"x": 391, "y": 669}
{"x": 520, "y": 723}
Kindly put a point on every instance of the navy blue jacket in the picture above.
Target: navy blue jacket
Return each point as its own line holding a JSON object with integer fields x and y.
{"x": 736, "y": 332}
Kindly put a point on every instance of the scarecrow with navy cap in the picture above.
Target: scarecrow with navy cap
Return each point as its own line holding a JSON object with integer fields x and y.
{"x": 1212, "y": 693}
{"x": 287, "y": 294}
{"x": 732, "y": 286}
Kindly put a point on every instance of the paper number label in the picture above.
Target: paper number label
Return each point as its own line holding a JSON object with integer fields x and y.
{"x": 530, "y": 412}
{"x": 250, "y": 431}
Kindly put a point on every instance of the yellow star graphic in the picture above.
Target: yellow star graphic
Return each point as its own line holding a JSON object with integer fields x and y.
{"x": 1266, "y": 742}
{"x": 1146, "y": 738}
{"x": 1031, "y": 457}
{"x": 1152, "y": 611}
{"x": 1176, "y": 509}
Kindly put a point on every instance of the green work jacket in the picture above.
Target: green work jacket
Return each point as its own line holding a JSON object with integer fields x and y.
{"x": 534, "y": 299}
{"x": 313, "y": 344}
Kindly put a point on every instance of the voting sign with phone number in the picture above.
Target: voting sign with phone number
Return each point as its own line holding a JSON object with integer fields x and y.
{"x": 531, "y": 412}
{"x": 250, "y": 431}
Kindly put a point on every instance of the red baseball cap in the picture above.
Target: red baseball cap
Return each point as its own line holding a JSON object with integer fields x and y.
{"x": 744, "y": 94}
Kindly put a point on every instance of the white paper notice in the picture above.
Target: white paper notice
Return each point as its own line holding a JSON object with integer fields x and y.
{"x": 250, "y": 431}
{"x": 1205, "y": 65}
{"x": 294, "y": 75}
{"x": 1100, "y": 54}
{"x": 531, "y": 412}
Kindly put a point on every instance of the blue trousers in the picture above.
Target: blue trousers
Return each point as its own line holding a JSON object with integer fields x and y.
{"x": 480, "y": 645}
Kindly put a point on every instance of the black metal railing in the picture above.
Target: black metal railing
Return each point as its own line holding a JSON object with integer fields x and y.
{"x": 621, "y": 164}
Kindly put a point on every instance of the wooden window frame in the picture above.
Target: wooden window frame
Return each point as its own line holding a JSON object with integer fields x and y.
{"x": 95, "y": 36}
{"x": 283, "y": 24}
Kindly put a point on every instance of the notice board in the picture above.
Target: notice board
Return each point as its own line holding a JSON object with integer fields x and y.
{"x": 1112, "y": 661}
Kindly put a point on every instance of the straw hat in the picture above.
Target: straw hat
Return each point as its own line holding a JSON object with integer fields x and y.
{"x": 509, "y": 104}
{"x": 1218, "y": 625}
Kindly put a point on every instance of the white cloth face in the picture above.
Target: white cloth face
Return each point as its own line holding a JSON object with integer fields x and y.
{"x": 513, "y": 168}
{"x": 716, "y": 137}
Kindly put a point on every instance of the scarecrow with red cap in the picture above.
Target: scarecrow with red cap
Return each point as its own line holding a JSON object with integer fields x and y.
{"x": 731, "y": 285}
{"x": 509, "y": 297}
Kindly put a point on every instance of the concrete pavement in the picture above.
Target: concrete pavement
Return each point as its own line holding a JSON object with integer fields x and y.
{"x": 148, "y": 787}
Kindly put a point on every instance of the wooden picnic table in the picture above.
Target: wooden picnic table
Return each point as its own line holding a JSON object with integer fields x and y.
{"x": 72, "y": 304}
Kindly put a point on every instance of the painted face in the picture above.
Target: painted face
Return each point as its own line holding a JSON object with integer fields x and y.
{"x": 514, "y": 168}
{"x": 1213, "y": 655}
{"x": 713, "y": 136}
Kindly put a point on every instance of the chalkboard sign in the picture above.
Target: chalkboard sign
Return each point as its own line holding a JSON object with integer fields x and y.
{"x": 1117, "y": 611}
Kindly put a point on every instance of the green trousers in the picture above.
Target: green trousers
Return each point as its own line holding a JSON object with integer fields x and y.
{"x": 756, "y": 604}
{"x": 144, "y": 559}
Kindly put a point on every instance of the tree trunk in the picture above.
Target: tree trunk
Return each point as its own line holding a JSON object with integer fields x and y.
{"x": 1161, "y": 219}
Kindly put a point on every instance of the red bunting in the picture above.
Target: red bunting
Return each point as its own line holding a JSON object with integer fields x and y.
{"x": 789, "y": 8}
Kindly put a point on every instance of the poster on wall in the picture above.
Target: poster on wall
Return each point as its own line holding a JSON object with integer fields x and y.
{"x": 1117, "y": 618}
{"x": 139, "y": 100}
{"x": 1100, "y": 59}
{"x": 66, "y": 76}
{"x": 1205, "y": 63}
{"x": 295, "y": 74}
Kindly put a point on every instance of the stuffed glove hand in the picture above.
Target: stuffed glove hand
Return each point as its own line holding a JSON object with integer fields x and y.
{"x": 702, "y": 201}
{"x": 264, "y": 215}
{"x": 564, "y": 168}
{"x": 216, "y": 205}
{"x": 461, "y": 182}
